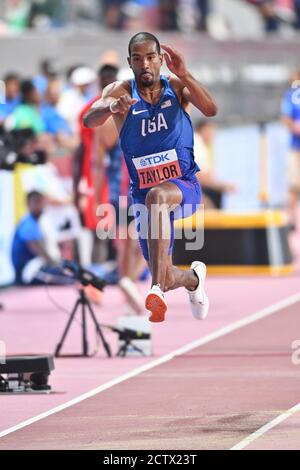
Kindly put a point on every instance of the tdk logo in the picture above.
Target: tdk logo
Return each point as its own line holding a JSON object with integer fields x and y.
{"x": 154, "y": 160}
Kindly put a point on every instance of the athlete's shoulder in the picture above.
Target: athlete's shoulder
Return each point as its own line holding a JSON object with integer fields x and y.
{"x": 178, "y": 88}
{"x": 117, "y": 89}
{"x": 176, "y": 83}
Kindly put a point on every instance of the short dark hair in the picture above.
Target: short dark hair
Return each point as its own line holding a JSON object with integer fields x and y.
{"x": 47, "y": 67}
{"x": 107, "y": 69}
{"x": 27, "y": 86}
{"x": 33, "y": 194}
{"x": 141, "y": 37}
{"x": 11, "y": 76}
{"x": 21, "y": 137}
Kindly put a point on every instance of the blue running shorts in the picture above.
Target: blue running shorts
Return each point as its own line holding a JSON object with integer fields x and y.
{"x": 191, "y": 199}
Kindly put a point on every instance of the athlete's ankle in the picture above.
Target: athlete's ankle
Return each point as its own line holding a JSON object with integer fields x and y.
{"x": 158, "y": 286}
{"x": 194, "y": 281}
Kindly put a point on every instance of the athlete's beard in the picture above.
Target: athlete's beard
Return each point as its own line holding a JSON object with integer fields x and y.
{"x": 147, "y": 83}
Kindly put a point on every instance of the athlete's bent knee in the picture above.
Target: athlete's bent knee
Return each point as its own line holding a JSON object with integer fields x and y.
{"x": 156, "y": 195}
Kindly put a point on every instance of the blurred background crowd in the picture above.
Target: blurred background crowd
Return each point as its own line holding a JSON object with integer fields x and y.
{"x": 218, "y": 18}
{"x": 56, "y": 172}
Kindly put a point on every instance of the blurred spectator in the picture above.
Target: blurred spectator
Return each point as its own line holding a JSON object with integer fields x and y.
{"x": 267, "y": 10}
{"x": 185, "y": 15}
{"x": 168, "y": 16}
{"x": 274, "y": 12}
{"x": 141, "y": 14}
{"x": 16, "y": 14}
{"x": 46, "y": 72}
{"x": 192, "y": 14}
{"x": 156, "y": 14}
{"x": 91, "y": 163}
{"x": 213, "y": 189}
{"x": 12, "y": 95}
{"x": 24, "y": 143}
{"x": 28, "y": 240}
{"x": 101, "y": 157}
{"x": 73, "y": 99}
{"x": 290, "y": 110}
{"x": 60, "y": 220}
{"x": 112, "y": 11}
{"x": 43, "y": 118}
{"x": 31, "y": 259}
{"x": 47, "y": 13}
{"x": 55, "y": 124}
{"x": 27, "y": 113}
{"x": 203, "y": 11}
{"x": 288, "y": 11}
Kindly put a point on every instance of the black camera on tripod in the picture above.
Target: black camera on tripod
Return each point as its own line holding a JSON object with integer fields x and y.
{"x": 85, "y": 277}
{"x": 127, "y": 336}
{"x": 18, "y": 146}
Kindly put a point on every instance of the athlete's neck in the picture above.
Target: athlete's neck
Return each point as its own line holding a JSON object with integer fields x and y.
{"x": 153, "y": 92}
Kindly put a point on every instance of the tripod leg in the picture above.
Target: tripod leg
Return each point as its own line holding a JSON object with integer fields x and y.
{"x": 85, "y": 346}
{"x": 98, "y": 329}
{"x": 135, "y": 348}
{"x": 61, "y": 342}
{"x": 123, "y": 349}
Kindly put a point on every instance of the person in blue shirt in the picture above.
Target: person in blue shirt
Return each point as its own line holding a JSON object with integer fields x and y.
{"x": 12, "y": 95}
{"x": 28, "y": 239}
{"x": 55, "y": 123}
{"x": 32, "y": 263}
{"x": 290, "y": 110}
{"x": 156, "y": 136}
{"x": 27, "y": 113}
{"x": 47, "y": 72}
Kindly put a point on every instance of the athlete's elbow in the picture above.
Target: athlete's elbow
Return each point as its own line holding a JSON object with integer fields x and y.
{"x": 89, "y": 121}
{"x": 86, "y": 120}
{"x": 211, "y": 110}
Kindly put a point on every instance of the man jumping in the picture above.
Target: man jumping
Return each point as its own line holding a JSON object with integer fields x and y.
{"x": 150, "y": 113}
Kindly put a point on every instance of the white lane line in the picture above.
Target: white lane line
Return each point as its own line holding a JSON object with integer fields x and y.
{"x": 177, "y": 352}
{"x": 264, "y": 429}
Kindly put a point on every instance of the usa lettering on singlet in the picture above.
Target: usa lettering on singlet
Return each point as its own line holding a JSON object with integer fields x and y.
{"x": 157, "y": 140}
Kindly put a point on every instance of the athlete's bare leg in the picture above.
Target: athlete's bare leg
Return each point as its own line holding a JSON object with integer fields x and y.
{"x": 132, "y": 262}
{"x": 161, "y": 266}
{"x": 131, "y": 266}
{"x": 176, "y": 277}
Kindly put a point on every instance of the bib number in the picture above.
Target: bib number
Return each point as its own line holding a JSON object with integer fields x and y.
{"x": 157, "y": 168}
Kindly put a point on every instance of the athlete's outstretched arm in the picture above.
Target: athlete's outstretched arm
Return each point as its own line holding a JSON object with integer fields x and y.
{"x": 192, "y": 90}
{"x": 100, "y": 111}
{"x": 114, "y": 100}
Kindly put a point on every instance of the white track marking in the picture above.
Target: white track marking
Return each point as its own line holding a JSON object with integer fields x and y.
{"x": 264, "y": 429}
{"x": 168, "y": 357}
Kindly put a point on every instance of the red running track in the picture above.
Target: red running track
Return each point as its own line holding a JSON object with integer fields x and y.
{"x": 212, "y": 397}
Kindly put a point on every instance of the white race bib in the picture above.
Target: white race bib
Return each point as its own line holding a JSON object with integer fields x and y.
{"x": 157, "y": 168}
